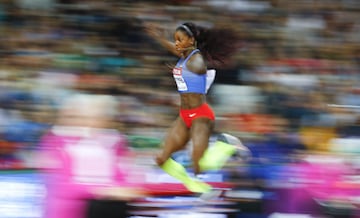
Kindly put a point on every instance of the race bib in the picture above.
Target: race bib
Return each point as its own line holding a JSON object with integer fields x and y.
{"x": 180, "y": 82}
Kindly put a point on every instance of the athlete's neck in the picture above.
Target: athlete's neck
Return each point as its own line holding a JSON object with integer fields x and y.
{"x": 187, "y": 51}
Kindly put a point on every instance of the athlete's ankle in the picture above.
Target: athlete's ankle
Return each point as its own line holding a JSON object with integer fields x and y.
{"x": 159, "y": 161}
{"x": 197, "y": 170}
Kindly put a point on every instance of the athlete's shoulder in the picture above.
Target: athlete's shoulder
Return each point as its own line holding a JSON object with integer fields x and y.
{"x": 196, "y": 64}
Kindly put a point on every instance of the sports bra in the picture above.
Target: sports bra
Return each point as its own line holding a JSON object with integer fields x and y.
{"x": 187, "y": 81}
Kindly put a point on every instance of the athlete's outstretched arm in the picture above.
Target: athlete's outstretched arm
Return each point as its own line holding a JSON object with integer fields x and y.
{"x": 157, "y": 33}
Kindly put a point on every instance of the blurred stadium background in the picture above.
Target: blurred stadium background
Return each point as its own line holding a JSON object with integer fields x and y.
{"x": 291, "y": 93}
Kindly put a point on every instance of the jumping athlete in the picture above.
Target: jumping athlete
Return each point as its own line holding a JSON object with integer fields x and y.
{"x": 197, "y": 47}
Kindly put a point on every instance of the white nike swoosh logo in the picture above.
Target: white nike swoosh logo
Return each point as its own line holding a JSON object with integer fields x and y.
{"x": 192, "y": 115}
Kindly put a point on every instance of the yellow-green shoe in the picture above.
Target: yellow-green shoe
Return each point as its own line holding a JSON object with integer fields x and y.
{"x": 178, "y": 171}
{"x": 226, "y": 146}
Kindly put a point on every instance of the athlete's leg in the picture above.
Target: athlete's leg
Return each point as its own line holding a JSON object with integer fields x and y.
{"x": 175, "y": 140}
{"x": 201, "y": 130}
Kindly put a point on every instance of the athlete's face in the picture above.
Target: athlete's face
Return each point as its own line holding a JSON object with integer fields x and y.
{"x": 182, "y": 41}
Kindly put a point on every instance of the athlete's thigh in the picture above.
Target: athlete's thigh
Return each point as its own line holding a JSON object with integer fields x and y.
{"x": 177, "y": 136}
{"x": 200, "y": 133}
{"x": 201, "y": 130}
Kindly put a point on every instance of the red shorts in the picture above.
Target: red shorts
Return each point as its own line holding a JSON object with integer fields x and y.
{"x": 204, "y": 110}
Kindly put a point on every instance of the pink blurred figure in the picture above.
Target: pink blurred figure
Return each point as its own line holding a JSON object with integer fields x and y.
{"x": 81, "y": 154}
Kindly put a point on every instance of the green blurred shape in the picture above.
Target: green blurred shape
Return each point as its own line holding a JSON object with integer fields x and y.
{"x": 71, "y": 60}
{"x": 138, "y": 141}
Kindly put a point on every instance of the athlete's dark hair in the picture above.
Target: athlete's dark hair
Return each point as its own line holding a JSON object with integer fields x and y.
{"x": 216, "y": 44}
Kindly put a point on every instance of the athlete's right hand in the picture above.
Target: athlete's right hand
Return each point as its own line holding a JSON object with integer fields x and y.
{"x": 154, "y": 30}
{"x": 159, "y": 33}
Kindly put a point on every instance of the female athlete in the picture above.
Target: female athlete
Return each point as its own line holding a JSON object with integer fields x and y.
{"x": 197, "y": 48}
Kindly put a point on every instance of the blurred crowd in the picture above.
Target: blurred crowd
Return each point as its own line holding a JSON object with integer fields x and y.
{"x": 297, "y": 68}
{"x": 293, "y": 85}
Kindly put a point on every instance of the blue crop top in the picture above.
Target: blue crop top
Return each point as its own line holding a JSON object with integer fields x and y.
{"x": 187, "y": 81}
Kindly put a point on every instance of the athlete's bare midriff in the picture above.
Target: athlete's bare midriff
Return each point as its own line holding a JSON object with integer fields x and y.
{"x": 191, "y": 100}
